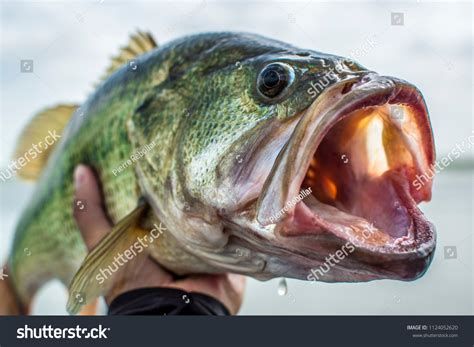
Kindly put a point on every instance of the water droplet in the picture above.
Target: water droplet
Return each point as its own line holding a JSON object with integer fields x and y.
{"x": 282, "y": 287}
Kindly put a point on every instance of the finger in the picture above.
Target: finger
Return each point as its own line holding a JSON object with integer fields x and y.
{"x": 89, "y": 212}
{"x": 235, "y": 287}
{"x": 237, "y": 282}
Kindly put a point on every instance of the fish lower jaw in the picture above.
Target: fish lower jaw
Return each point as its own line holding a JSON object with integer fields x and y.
{"x": 401, "y": 250}
{"x": 387, "y": 221}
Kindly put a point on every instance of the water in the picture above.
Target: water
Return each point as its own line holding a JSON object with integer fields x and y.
{"x": 282, "y": 287}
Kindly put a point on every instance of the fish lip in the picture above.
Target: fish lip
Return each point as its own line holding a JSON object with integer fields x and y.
{"x": 332, "y": 105}
{"x": 357, "y": 268}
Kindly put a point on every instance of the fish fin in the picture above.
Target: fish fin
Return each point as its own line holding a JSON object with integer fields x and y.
{"x": 44, "y": 125}
{"x": 86, "y": 286}
{"x": 139, "y": 43}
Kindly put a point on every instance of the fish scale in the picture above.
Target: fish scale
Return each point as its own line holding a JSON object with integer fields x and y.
{"x": 97, "y": 136}
{"x": 47, "y": 227}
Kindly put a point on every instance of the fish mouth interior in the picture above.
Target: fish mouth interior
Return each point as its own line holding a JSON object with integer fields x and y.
{"x": 360, "y": 177}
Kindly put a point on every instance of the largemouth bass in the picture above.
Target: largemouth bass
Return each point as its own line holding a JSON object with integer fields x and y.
{"x": 254, "y": 156}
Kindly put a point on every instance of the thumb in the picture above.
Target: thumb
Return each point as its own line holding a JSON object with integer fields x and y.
{"x": 88, "y": 207}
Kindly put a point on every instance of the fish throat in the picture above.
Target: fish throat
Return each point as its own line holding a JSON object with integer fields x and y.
{"x": 359, "y": 171}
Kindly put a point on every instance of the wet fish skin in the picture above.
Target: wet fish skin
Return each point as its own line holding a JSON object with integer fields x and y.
{"x": 196, "y": 100}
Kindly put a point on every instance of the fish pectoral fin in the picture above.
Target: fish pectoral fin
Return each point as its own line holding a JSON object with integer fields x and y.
{"x": 89, "y": 281}
{"x": 139, "y": 44}
{"x": 39, "y": 137}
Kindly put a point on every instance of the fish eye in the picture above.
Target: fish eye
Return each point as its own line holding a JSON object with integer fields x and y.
{"x": 274, "y": 79}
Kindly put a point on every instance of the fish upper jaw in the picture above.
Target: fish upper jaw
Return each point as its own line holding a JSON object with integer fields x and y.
{"x": 350, "y": 174}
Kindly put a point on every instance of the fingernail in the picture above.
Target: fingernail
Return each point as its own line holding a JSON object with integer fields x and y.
{"x": 79, "y": 176}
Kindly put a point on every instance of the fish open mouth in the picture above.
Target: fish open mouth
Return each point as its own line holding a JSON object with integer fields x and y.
{"x": 359, "y": 180}
{"x": 352, "y": 167}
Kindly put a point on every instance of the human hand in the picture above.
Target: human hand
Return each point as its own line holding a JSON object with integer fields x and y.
{"x": 143, "y": 272}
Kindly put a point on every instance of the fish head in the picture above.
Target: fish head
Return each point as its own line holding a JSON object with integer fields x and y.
{"x": 306, "y": 165}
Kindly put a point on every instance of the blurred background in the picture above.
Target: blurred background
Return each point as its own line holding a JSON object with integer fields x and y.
{"x": 67, "y": 46}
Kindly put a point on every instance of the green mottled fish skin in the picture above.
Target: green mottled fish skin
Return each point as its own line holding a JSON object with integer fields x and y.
{"x": 196, "y": 99}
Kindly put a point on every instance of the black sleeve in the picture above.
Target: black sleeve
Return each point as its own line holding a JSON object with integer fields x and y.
{"x": 165, "y": 301}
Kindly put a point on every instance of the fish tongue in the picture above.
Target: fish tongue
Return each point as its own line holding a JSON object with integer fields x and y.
{"x": 313, "y": 217}
{"x": 375, "y": 208}
{"x": 378, "y": 201}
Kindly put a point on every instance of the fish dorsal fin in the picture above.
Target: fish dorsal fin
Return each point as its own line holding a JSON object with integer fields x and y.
{"x": 38, "y": 139}
{"x": 139, "y": 43}
{"x": 89, "y": 280}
